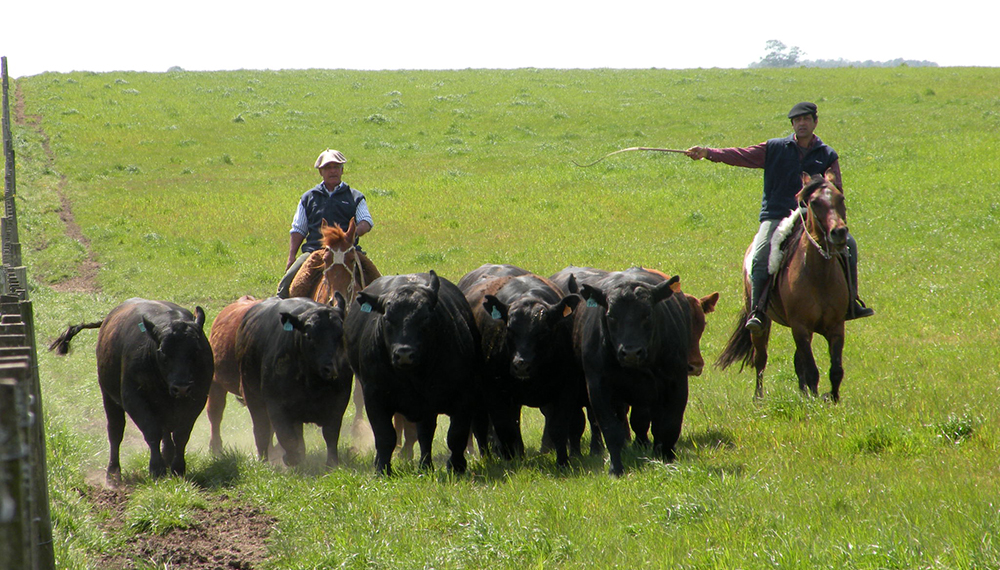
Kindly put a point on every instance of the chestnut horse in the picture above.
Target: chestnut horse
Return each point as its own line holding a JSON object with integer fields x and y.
{"x": 809, "y": 292}
{"x": 339, "y": 267}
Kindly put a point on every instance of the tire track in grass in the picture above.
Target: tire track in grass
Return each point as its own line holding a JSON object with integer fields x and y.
{"x": 86, "y": 279}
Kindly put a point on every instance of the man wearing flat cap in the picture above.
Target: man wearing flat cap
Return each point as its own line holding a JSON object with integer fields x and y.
{"x": 331, "y": 200}
{"x": 784, "y": 160}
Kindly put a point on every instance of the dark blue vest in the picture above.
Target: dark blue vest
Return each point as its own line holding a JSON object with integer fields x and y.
{"x": 783, "y": 174}
{"x": 337, "y": 208}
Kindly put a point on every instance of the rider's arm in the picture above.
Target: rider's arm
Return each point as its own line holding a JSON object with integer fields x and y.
{"x": 363, "y": 218}
{"x": 293, "y": 247}
{"x": 749, "y": 157}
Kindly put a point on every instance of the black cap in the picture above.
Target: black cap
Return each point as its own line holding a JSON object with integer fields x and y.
{"x": 803, "y": 108}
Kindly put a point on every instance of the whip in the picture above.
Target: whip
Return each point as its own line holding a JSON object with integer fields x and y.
{"x": 627, "y": 150}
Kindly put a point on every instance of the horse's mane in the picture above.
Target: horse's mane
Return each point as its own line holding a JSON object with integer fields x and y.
{"x": 333, "y": 235}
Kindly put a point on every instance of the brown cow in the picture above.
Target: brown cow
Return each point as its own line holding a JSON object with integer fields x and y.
{"x": 227, "y": 371}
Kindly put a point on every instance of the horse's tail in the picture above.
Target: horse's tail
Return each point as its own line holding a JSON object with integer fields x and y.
{"x": 61, "y": 344}
{"x": 740, "y": 345}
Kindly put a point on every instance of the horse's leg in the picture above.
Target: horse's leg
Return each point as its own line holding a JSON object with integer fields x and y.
{"x": 836, "y": 345}
{"x": 760, "y": 358}
{"x": 805, "y": 363}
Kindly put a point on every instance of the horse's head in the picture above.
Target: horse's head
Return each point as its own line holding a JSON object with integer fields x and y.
{"x": 827, "y": 219}
{"x": 340, "y": 258}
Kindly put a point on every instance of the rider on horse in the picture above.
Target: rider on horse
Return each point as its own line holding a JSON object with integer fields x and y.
{"x": 331, "y": 200}
{"x": 784, "y": 160}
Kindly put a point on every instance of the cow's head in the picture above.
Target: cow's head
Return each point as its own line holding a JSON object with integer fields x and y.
{"x": 321, "y": 337}
{"x": 407, "y": 314}
{"x": 628, "y": 320}
{"x": 699, "y": 308}
{"x": 533, "y": 325}
{"x": 179, "y": 350}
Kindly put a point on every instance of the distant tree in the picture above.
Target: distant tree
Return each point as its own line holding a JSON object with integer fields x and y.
{"x": 779, "y": 55}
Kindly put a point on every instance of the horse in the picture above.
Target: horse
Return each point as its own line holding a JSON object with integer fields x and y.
{"x": 809, "y": 292}
{"x": 339, "y": 267}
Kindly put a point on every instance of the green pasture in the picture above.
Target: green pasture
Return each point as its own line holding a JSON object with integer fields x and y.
{"x": 185, "y": 183}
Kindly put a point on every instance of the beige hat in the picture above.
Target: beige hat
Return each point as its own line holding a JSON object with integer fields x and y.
{"x": 329, "y": 155}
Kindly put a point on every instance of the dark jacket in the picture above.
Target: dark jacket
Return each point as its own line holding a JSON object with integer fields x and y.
{"x": 783, "y": 168}
{"x": 336, "y": 208}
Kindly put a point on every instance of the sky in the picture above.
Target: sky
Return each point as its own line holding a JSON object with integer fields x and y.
{"x": 212, "y": 35}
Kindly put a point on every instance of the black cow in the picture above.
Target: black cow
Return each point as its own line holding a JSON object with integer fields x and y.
{"x": 293, "y": 369}
{"x": 154, "y": 362}
{"x": 413, "y": 343}
{"x": 632, "y": 340}
{"x": 525, "y": 323}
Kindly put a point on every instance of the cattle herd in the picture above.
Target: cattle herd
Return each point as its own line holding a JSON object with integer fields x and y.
{"x": 619, "y": 345}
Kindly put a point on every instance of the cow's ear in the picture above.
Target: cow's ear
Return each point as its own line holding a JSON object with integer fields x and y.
{"x": 146, "y": 326}
{"x": 369, "y": 303}
{"x": 593, "y": 296}
{"x": 665, "y": 290}
{"x": 290, "y": 321}
{"x": 435, "y": 282}
{"x": 495, "y": 308}
{"x": 564, "y": 308}
{"x": 339, "y": 303}
{"x": 199, "y": 317}
{"x": 571, "y": 285}
{"x": 708, "y": 303}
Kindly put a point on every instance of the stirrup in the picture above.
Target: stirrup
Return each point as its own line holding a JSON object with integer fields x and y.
{"x": 858, "y": 310}
{"x": 754, "y": 324}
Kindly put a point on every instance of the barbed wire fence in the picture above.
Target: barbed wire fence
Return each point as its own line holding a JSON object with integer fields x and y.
{"x": 25, "y": 523}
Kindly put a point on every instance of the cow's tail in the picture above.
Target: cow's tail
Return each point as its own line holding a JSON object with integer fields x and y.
{"x": 740, "y": 345}
{"x": 61, "y": 344}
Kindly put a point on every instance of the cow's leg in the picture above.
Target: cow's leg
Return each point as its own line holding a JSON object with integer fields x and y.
{"x": 214, "y": 409}
{"x": 611, "y": 422}
{"x": 406, "y": 436}
{"x": 668, "y": 414}
{"x": 385, "y": 436}
{"x": 505, "y": 415}
{"x": 359, "y": 408}
{"x": 458, "y": 440}
{"x": 259, "y": 418}
{"x": 805, "y": 363}
{"x": 639, "y": 419}
{"x": 116, "y": 432}
{"x": 425, "y": 435}
{"x": 167, "y": 448}
{"x": 596, "y": 437}
{"x": 560, "y": 424}
{"x": 178, "y": 466}
{"x": 836, "y": 346}
{"x": 290, "y": 438}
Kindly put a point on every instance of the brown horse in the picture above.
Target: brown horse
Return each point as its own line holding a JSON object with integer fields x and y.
{"x": 809, "y": 293}
{"x": 339, "y": 267}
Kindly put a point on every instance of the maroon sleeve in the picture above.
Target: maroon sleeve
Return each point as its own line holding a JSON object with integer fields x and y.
{"x": 749, "y": 157}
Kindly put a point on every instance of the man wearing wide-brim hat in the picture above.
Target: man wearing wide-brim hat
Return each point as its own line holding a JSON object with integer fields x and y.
{"x": 331, "y": 200}
{"x": 784, "y": 160}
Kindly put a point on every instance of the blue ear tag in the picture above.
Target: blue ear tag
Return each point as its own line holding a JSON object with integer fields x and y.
{"x": 366, "y": 308}
{"x": 142, "y": 326}
{"x": 495, "y": 314}
{"x": 591, "y": 302}
{"x": 288, "y": 326}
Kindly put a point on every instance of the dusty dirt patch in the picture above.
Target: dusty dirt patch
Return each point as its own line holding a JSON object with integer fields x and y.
{"x": 226, "y": 536}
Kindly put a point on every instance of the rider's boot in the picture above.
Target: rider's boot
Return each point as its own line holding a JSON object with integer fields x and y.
{"x": 856, "y": 309}
{"x": 755, "y": 324}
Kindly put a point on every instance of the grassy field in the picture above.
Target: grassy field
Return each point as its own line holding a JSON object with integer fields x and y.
{"x": 184, "y": 185}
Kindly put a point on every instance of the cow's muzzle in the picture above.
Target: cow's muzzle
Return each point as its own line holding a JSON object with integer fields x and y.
{"x": 404, "y": 357}
{"x": 631, "y": 356}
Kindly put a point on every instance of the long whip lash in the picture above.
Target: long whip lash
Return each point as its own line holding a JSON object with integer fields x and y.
{"x": 627, "y": 150}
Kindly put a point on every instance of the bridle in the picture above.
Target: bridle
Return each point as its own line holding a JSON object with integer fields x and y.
{"x": 357, "y": 274}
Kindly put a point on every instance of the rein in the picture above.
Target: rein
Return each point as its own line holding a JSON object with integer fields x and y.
{"x": 825, "y": 252}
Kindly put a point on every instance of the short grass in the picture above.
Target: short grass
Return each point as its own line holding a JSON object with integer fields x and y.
{"x": 185, "y": 184}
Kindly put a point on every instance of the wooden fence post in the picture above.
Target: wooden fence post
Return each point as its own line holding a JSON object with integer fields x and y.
{"x": 15, "y": 519}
